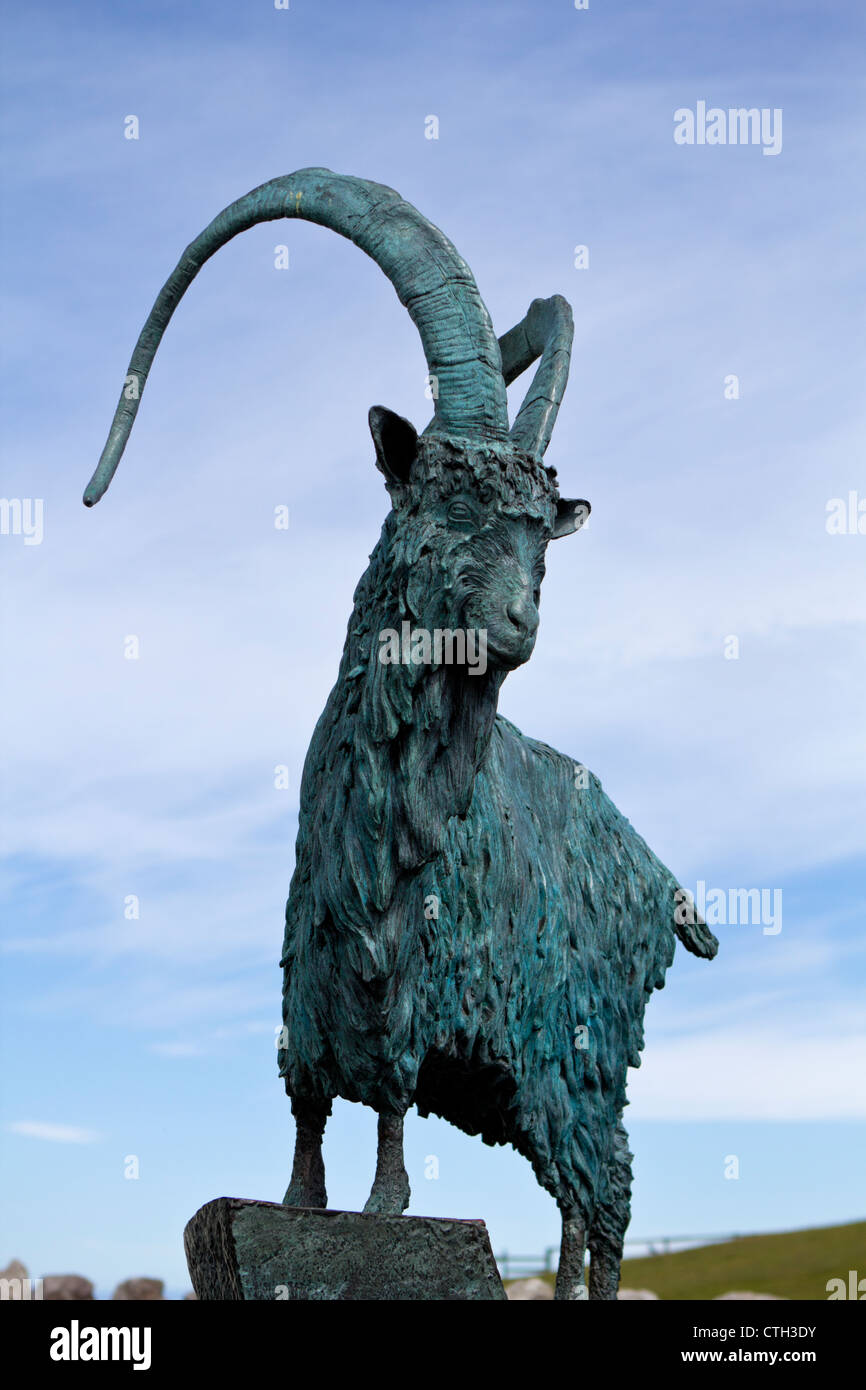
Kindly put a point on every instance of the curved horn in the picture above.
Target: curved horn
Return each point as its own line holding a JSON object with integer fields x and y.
{"x": 433, "y": 282}
{"x": 545, "y": 332}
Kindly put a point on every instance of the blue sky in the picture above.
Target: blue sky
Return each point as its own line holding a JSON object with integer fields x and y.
{"x": 154, "y": 1036}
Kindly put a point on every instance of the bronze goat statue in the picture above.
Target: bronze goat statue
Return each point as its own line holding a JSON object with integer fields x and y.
{"x": 472, "y": 926}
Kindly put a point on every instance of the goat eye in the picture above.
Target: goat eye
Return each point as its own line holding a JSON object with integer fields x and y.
{"x": 460, "y": 512}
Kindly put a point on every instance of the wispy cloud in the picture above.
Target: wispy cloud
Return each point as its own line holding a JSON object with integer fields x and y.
{"x": 179, "y": 1049}
{"x": 756, "y": 1073}
{"x": 53, "y": 1134}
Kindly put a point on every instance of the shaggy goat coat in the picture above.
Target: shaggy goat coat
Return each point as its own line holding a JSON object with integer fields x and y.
{"x": 472, "y": 926}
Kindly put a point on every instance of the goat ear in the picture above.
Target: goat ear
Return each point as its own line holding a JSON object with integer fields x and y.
{"x": 571, "y": 514}
{"x": 396, "y": 442}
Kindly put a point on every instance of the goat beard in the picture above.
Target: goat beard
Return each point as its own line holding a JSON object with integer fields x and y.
{"x": 434, "y": 760}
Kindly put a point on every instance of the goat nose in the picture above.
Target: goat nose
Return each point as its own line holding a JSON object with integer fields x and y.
{"x": 523, "y": 613}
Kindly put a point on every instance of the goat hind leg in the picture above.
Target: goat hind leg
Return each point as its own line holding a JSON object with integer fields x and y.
{"x": 604, "y": 1262}
{"x": 389, "y": 1195}
{"x": 307, "y": 1184}
{"x": 610, "y": 1222}
{"x": 570, "y": 1278}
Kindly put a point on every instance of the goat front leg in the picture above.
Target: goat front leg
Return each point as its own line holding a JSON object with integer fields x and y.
{"x": 389, "y": 1195}
{"x": 307, "y": 1185}
{"x": 570, "y": 1278}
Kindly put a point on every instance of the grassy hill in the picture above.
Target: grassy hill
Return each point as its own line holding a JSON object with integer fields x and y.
{"x": 793, "y": 1264}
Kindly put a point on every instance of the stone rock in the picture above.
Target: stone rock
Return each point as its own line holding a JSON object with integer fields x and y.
{"x": 66, "y": 1288}
{"x": 15, "y": 1284}
{"x": 637, "y": 1293}
{"x": 140, "y": 1289}
{"x": 776, "y": 1297}
{"x": 523, "y": 1290}
{"x": 267, "y": 1252}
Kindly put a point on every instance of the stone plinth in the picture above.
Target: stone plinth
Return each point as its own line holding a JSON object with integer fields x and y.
{"x": 265, "y": 1252}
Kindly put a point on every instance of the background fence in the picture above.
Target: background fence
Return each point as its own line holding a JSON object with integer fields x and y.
{"x": 513, "y": 1266}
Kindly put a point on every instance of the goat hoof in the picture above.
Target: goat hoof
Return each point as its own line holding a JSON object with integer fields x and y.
{"x": 298, "y": 1196}
{"x": 388, "y": 1201}
{"x": 571, "y": 1291}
